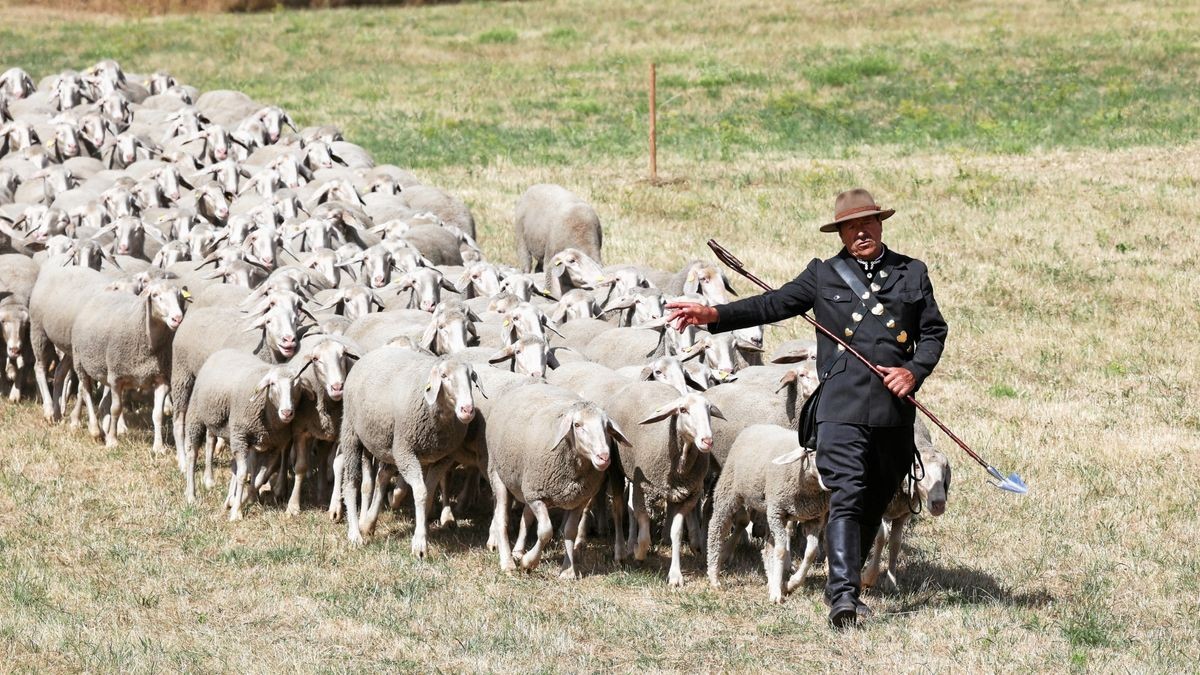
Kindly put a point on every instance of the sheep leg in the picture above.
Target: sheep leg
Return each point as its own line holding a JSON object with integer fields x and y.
{"x": 299, "y": 468}
{"x": 499, "y": 529}
{"x": 572, "y": 557}
{"x": 447, "y": 515}
{"x": 213, "y": 446}
{"x": 775, "y": 554}
{"x": 86, "y": 394}
{"x": 616, "y": 489}
{"x": 114, "y": 411}
{"x": 895, "y": 537}
{"x": 241, "y": 471}
{"x": 352, "y": 453}
{"x": 811, "y": 529}
{"x": 370, "y": 514}
{"x": 410, "y": 470}
{"x": 677, "y": 514}
{"x": 189, "y": 474}
{"x": 367, "y": 489}
{"x": 160, "y": 400}
{"x": 77, "y": 408}
{"x": 643, "y": 523}
{"x": 870, "y": 575}
{"x": 49, "y": 403}
{"x": 335, "y": 501}
{"x": 584, "y": 520}
{"x": 522, "y": 530}
{"x": 398, "y": 494}
{"x": 718, "y": 528}
{"x": 695, "y": 538}
{"x": 544, "y": 531}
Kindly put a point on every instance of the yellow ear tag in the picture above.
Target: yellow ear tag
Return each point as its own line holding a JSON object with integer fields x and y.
{"x": 186, "y": 295}
{"x": 506, "y": 322}
{"x": 428, "y": 386}
{"x": 691, "y": 276}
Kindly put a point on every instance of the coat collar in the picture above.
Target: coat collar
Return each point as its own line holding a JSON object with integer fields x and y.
{"x": 886, "y": 271}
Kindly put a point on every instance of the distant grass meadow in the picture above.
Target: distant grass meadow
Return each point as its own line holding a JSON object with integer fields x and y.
{"x": 1043, "y": 159}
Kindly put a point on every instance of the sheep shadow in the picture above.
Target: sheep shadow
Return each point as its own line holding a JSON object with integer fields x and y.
{"x": 925, "y": 583}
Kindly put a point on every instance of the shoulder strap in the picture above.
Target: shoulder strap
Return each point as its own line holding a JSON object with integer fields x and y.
{"x": 877, "y": 309}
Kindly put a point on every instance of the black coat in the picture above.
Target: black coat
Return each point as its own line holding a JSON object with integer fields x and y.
{"x": 852, "y": 393}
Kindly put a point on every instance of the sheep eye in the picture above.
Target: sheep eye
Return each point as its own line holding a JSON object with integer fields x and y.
{"x": 577, "y": 425}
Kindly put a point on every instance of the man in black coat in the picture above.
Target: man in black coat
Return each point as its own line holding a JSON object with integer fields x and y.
{"x": 881, "y": 303}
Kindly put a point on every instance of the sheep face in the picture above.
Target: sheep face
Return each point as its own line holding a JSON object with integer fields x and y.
{"x": 278, "y": 323}
{"x": 14, "y": 324}
{"x": 693, "y": 419}
{"x": 447, "y": 331}
{"x": 721, "y": 353}
{"x": 530, "y": 356}
{"x": 425, "y": 284}
{"x": 706, "y": 279}
{"x": 279, "y": 385}
{"x": 165, "y": 302}
{"x": 331, "y": 362}
{"x": 480, "y": 280}
{"x": 935, "y": 485}
{"x": 583, "y": 271}
{"x": 450, "y": 385}
{"x": 590, "y": 434}
{"x": 670, "y": 370}
{"x": 130, "y": 235}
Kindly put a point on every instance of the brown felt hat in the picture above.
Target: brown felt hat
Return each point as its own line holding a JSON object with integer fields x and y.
{"x": 853, "y": 204}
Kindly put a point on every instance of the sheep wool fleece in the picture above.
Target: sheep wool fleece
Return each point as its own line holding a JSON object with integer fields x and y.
{"x": 864, "y": 433}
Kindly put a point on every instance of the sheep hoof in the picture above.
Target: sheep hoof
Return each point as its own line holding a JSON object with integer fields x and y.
{"x": 235, "y": 514}
{"x": 292, "y": 510}
{"x": 568, "y": 573}
{"x": 158, "y": 449}
{"x": 335, "y": 515}
{"x": 447, "y": 519}
{"x": 356, "y": 540}
{"x": 209, "y": 483}
{"x": 675, "y": 579}
{"x": 111, "y": 442}
{"x": 418, "y": 547}
{"x": 508, "y": 566}
{"x": 713, "y": 581}
{"x": 777, "y": 598}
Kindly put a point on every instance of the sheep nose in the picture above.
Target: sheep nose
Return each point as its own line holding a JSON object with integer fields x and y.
{"x": 122, "y": 249}
{"x": 601, "y": 460}
{"x": 14, "y": 352}
{"x": 466, "y": 413}
{"x": 937, "y": 508}
{"x": 704, "y": 443}
{"x": 176, "y": 320}
{"x": 286, "y": 414}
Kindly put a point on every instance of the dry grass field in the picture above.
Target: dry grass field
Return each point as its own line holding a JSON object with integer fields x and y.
{"x": 1043, "y": 160}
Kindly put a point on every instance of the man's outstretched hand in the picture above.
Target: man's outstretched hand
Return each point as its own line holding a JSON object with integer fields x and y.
{"x": 684, "y": 314}
{"x": 899, "y": 381}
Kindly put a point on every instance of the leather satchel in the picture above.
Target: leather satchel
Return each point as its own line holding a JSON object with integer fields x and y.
{"x": 806, "y": 426}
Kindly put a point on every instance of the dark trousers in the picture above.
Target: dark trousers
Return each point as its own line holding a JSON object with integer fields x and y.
{"x": 862, "y": 466}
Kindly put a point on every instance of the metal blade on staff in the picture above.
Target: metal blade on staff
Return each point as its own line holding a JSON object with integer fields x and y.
{"x": 1012, "y": 483}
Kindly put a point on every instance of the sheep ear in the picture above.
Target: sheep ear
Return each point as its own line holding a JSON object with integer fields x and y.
{"x": 714, "y": 411}
{"x": 645, "y": 374}
{"x": 690, "y": 379}
{"x": 692, "y": 284}
{"x": 433, "y": 386}
{"x": 551, "y": 360}
{"x": 793, "y": 456}
{"x": 429, "y": 337}
{"x": 617, "y": 434}
{"x": 747, "y": 346}
{"x": 478, "y": 384}
{"x": 728, "y": 286}
{"x": 789, "y": 378}
{"x": 794, "y": 356}
{"x": 502, "y": 355}
{"x": 262, "y": 384}
{"x": 564, "y": 428}
{"x": 662, "y": 413}
{"x": 695, "y": 350}
{"x": 448, "y": 285}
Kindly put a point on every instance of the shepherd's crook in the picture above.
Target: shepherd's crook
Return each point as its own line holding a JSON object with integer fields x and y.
{"x": 1012, "y": 484}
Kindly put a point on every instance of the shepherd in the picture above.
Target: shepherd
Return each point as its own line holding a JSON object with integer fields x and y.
{"x": 882, "y": 303}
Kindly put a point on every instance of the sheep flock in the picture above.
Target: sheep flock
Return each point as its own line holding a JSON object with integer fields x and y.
{"x": 332, "y": 328}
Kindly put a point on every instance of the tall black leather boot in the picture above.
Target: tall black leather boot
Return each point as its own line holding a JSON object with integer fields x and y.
{"x": 845, "y": 567}
{"x": 866, "y": 539}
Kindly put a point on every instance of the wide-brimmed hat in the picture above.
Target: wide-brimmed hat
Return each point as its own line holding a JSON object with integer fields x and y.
{"x": 853, "y": 204}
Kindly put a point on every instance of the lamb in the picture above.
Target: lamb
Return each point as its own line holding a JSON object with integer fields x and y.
{"x": 550, "y": 218}
{"x": 124, "y": 342}
{"x": 776, "y": 401}
{"x": 932, "y": 492}
{"x": 14, "y": 330}
{"x": 248, "y": 403}
{"x": 548, "y": 448}
{"x": 668, "y": 461}
{"x": 761, "y": 475}
{"x": 410, "y": 411}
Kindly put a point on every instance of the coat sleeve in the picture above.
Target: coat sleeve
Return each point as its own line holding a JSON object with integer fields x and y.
{"x": 793, "y": 298}
{"x": 932, "y": 331}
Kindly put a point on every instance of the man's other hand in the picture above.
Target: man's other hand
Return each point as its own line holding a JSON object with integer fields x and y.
{"x": 898, "y": 380}
{"x": 684, "y": 314}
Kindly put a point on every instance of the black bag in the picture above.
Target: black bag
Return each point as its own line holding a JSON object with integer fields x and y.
{"x": 807, "y": 424}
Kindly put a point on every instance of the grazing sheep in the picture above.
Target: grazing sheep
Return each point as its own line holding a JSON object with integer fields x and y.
{"x": 409, "y": 411}
{"x": 572, "y": 268}
{"x": 767, "y": 473}
{"x": 932, "y": 493}
{"x": 449, "y": 209}
{"x": 549, "y": 219}
{"x": 548, "y": 448}
{"x": 123, "y": 341}
{"x": 247, "y": 403}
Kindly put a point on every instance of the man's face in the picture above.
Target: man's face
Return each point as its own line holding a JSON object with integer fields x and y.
{"x": 862, "y": 237}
